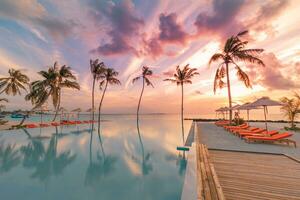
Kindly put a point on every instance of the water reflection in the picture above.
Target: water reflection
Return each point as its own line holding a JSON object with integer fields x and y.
{"x": 9, "y": 157}
{"x": 46, "y": 161}
{"x": 181, "y": 162}
{"x": 101, "y": 167}
{"x": 140, "y": 162}
{"x": 146, "y": 158}
{"x": 30, "y": 137}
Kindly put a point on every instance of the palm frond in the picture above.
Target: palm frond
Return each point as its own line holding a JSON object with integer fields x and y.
{"x": 248, "y": 58}
{"x": 218, "y": 81}
{"x": 135, "y": 79}
{"x": 252, "y": 51}
{"x": 215, "y": 57}
{"x": 70, "y": 84}
{"x": 148, "y": 82}
{"x": 242, "y": 33}
{"x": 101, "y": 84}
{"x": 242, "y": 76}
{"x": 178, "y": 82}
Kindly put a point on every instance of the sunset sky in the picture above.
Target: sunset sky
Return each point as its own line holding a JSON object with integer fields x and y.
{"x": 162, "y": 34}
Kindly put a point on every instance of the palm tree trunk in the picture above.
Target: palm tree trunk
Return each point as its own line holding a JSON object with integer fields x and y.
{"x": 182, "y": 127}
{"x": 139, "y": 104}
{"x": 57, "y": 108}
{"x": 101, "y": 144}
{"x": 100, "y": 104}
{"x": 229, "y": 93}
{"x": 141, "y": 143}
{"x": 93, "y": 98}
{"x": 292, "y": 120}
{"x": 93, "y": 101}
{"x": 23, "y": 120}
{"x": 91, "y": 140}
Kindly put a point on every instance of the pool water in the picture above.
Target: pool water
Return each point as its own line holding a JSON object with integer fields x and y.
{"x": 74, "y": 162}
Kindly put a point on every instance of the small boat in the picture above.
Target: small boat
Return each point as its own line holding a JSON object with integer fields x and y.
{"x": 17, "y": 115}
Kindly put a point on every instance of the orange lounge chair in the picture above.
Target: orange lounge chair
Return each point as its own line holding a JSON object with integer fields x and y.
{"x": 44, "y": 125}
{"x": 55, "y": 124}
{"x": 236, "y": 131}
{"x": 78, "y": 122}
{"x": 245, "y": 132}
{"x": 222, "y": 123}
{"x": 64, "y": 122}
{"x": 281, "y": 138}
{"x": 239, "y": 128}
{"x": 264, "y": 133}
{"x": 72, "y": 122}
{"x": 85, "y": 121}
{"x": 31, "y": 126}
{"x": 236, "y": 127}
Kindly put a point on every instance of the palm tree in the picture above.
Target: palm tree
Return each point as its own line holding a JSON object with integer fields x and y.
{"x": 97, "y": 69}
{"x": 54, "y": 80}
{"x": 291, "y": 108}
{"x": 234, "y": 51}
{"x": 182, "y": 77}
{"x": 146, "y": 74}
{"x": 108, "y": 77}
{"x": 13, "y": 84}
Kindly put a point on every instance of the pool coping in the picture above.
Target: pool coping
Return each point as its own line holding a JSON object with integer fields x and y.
{"x": 189, "y": 191}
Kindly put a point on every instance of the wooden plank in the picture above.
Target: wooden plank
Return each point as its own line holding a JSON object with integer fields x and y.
{"x": 218, "y": 187}
{"x": 200, "y": 190}
{"x": 212, "y": 186}
{"x": 205, "y": 183}
{"x": 256, "y": 176}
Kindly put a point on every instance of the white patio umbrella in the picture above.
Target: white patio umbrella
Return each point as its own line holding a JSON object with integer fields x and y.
{"x": 78, "y": 110}
{"x": 247, "y": 106}
{"x": 90, "y": 110}
{"x": 42, "y": 109}
{"x": 224, "y": 110}
{"x": 236, "y": 107}
{"x": 62, "y": 110}
{"x": 265, "y": 102}
{"x": 219, "y": 110}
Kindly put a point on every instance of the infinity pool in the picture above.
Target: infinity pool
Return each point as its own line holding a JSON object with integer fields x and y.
{"x": 73, "y": 162}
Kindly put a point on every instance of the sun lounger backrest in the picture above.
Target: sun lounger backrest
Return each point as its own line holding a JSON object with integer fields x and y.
{"x": 273, "y": 132}
{"x": 281, "y": 135}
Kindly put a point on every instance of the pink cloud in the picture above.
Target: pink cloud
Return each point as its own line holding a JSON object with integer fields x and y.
{"x": 271, "y": 76}
{"x": 170, "y": 32}
{"x": 169, "y": 73}
{"x": 125, "y": 27}
{"x": 223, "y": 21}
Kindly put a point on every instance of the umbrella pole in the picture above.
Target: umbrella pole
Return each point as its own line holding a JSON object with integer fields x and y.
{"x": 265, "y": 108}
{"x": 248, "y": 116}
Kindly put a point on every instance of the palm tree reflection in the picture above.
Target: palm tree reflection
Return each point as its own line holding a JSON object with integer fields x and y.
{"x": 46, "y": 162}
{"x": 9, "y": 157}
{"x": 146, "y": 165}
{"x": 101, "y": 167}
{"x": 181, "y": 162}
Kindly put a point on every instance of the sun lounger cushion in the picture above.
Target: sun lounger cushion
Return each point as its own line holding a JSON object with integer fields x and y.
{"x": 274, "y": 137}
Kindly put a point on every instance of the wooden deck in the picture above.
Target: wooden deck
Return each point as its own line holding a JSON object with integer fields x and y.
{"x": 256, "y": 176}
